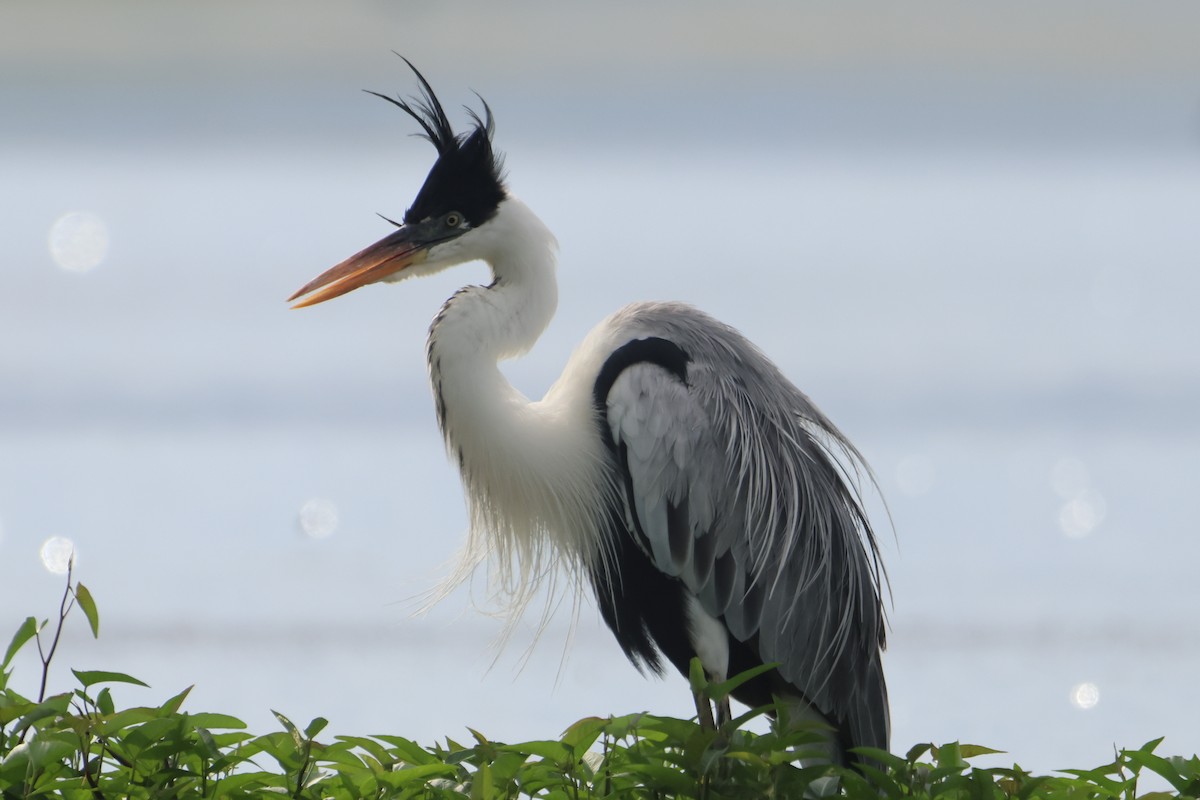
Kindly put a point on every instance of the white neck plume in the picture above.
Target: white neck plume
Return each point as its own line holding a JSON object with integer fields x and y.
{"x": 531, "y": 498}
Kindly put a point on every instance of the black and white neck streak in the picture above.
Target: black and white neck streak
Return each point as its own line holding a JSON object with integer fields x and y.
{"x": 531, "y": 496}
{"x": 504, "y": 319}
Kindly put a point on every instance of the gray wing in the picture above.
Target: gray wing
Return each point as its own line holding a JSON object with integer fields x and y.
{"x": 743, "y": 491}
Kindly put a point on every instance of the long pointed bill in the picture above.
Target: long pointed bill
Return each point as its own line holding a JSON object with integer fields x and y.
{"x": 386, "y": 257}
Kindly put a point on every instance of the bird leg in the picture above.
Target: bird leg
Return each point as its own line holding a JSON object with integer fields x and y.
{"x": 704, "y": 712}
{"x": 704, "y": 709}
{"x": 723, "y": 712}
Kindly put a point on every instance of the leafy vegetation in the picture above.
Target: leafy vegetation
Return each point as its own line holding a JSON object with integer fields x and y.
{"x": 78, "y": 744}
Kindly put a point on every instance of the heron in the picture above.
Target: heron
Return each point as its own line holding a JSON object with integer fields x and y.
{"x": 714, "y": 510}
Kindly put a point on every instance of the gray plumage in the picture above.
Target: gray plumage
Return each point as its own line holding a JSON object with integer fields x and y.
{"x": 776, "y": 541}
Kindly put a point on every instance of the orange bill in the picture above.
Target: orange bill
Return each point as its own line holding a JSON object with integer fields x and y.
{"x": 386, "y": 257}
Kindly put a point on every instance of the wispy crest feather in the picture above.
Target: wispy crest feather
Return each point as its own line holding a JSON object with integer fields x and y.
{"x": 468, "y": 176}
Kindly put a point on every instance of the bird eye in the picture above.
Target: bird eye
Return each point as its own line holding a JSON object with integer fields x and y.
{"x": 453, "y": 219}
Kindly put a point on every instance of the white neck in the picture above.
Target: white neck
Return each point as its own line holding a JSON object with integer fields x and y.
{"x": 530, "y": 488}
{"x": 505, "y": 319}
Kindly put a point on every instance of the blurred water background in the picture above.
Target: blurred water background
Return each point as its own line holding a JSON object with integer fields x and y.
{"x": 970, "y": 233}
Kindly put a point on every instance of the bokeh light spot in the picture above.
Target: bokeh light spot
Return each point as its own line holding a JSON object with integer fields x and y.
{"x": 1080, "y": 515}
{"x": 1083, "y": 507}
{"x": 915, "y": 475}
{"x": 78, "y": 241}
{"x": 318, "y": 518}
{"x": 58, "y": 554}
{"x": 1085, "y": 695}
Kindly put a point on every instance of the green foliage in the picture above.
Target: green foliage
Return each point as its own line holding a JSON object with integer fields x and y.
{"x": 77, "y": 744}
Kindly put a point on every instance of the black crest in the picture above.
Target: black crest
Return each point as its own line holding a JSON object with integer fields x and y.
{"x": 467, "y": 175}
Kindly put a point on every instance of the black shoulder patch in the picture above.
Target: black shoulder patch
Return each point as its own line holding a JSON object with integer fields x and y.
{"x": 653, "y": 350}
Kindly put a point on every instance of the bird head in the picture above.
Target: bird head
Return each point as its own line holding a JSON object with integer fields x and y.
{"x": 462, "y": 192}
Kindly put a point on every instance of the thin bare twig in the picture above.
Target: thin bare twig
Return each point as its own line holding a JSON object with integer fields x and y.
{"x": 64, "y": 608}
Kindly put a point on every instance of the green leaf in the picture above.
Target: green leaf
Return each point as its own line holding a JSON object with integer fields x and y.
{"x": 407, "y": 750}
{"x": 696, "y": 676}
{"x": 949, "y": 756}
{"x": 113, "y": 724}
{"x": 1159, "y": 765}
{"x": 288, "y": 725}
{"x": 173, "y": 705}
{"x": 104, "y": 702}
{"x": 550, "y": 750}
{"x": 315, "y": 727}
{"x": 53, "y": 706}
{"x": 229, "y": 741}
{"x": 248, "y": 781}
{"x": 92, "y": 677}
{"x": 583, "y": 734}
{"x": 209, "y": 721}
{"x": 281, "y": 746}
{"x": 623, "y": 726}
{"x": 506, "y": 766}
{"x": 1152, "y": 745}
{"x": 27, "y": 631}
{"x": 208, "y": 745}
{"x": 12, "y": 706}
{"x": 340, "y": 753}
{"x": 374, "y": 748}
{"x": 47, "y": 750}
{"x": 1099, "y": 777}
{"x": 154, "y": 732}
{"x": 719, "y": 691}
{"x": 297, "y": 737}
{"x": 409, "y": 775}
{"x": 358, "y": 782}
{"x": 669, "y": 728}
{"x": 88, "y": 604}
{"x": 663, "y": 777}
{"x": 753, "y": 759}
{"x": 753, "y": 713}
{"x": 885, "y": 758}
{"x": 916, "y": 751}
{"x": 973, "y": 750}
{"x": 881, "y": 780}
{"x": 481, "y": 783}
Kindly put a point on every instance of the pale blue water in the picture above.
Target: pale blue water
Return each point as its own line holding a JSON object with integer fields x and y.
{"x": 1011, "y": 338}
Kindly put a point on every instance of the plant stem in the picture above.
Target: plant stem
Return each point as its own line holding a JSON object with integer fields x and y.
{"x": 64, "y": 608}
